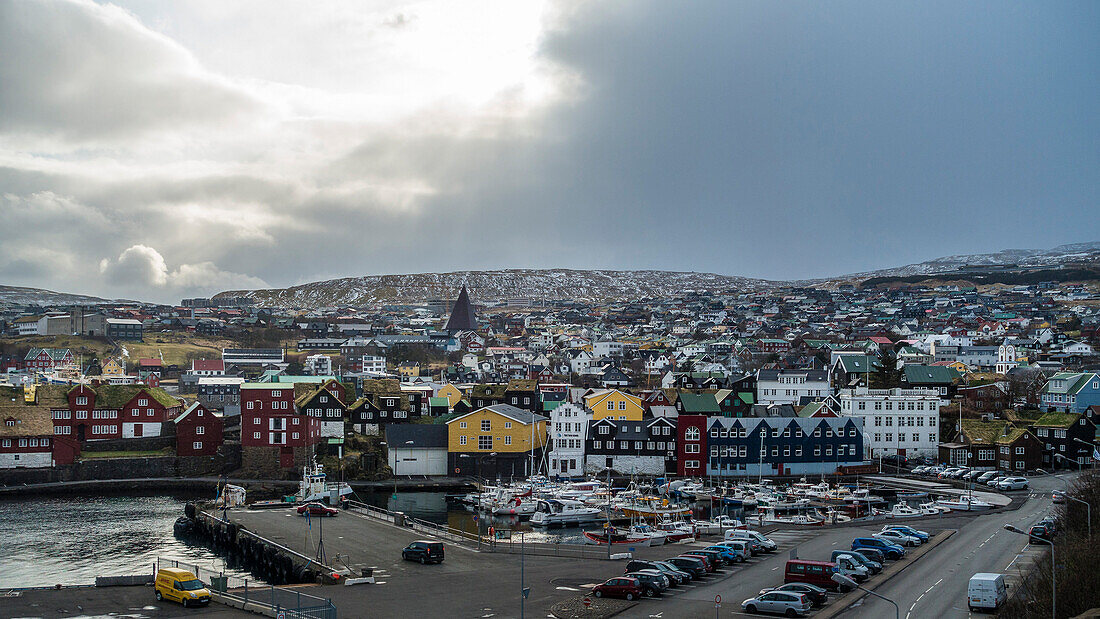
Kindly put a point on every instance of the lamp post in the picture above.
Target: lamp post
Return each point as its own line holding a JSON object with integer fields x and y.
{"x": 841, "y": 579}
{"x": 1053, "y": 572}
{"x": 480, "y": 486}
{"x": 1061, "y": 457}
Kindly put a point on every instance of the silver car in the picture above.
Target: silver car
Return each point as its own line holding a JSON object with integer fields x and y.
{"x": 1013, "y": 483}
{"x": 778, "y": 602}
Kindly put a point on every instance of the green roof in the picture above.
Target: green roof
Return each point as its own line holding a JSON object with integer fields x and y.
{"x": 859, "y": 363}
{"x": 747, "y": 397}
{"x": 1058, "y": 420}
{"x": 438, "y": 401}
{"x": 698, "y": 403}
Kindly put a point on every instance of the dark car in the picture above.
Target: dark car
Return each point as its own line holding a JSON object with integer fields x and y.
{"x": 696, "y": 567}
{"x": 715, "y": 557}
{"x": 873, "y": 554}
{"x": 619, "y": 587}
{"x": 1039, "y": 534}
{"x": 675, "y": 576}
{"x": 817, "y": 595}
{"x": 317, "y": 509}
{"x": 652, "y": 584}
{"x": 423, "y": 551}
{"x": 709, "y": 563}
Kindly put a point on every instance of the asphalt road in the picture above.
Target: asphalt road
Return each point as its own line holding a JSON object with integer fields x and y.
{"x": 90, "y": 602}
{"x": 936, "y": 586}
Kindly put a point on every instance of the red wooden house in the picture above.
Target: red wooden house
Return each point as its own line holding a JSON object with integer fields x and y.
{"x": 199, "y": 431}
{"x": 691, "y": 445}
{"x": 113, "y": 411}
{"x": 270, "y": 419}
{"x": 44, "y": 359}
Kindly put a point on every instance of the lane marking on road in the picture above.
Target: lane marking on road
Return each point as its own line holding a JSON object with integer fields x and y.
{"x": 566, "y": 589}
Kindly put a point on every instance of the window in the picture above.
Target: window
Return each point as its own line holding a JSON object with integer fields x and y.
{"x": 817, "y": 432}
{"x": 714, "y": 433}
{"x": 597, "y": 444}
{"x": 461, "y": 440}
{"x": 249, "y": 405}
{"x": 714, "y": 451}
{"x": 691, "y": 434}
{"x": 889, "y": 437}
{"x": 486, "y": 425}
{"x": 196, "y": 445}
{"x": 622, "y": 405}
{"x": 786, "y": 450}
{"x": 507, "y": 440}
{"x": 817, "y": 450}
{"x": 775, "y": 450}
{"x": 462, "y": 425}
{"x": 610, "y": 405}
{"x": 484, "y": 442}
{"x": 82, "y": 401}
{"x": 605, "y": 430}
{"x": 143, "y": 402}
{"x": 507, "y": 425}
{"x": 81, "y": 414}
{"x": 200, "y": 430}
{"x": 256, "y": 435}
{"x": 7, "y": 442}
{"x": 691, "y": 449}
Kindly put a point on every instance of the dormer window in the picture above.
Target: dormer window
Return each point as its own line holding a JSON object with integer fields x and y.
{"x": 10, "y": 423}
{"x": 143, "y": 402}
{"x": 82, "y": 401}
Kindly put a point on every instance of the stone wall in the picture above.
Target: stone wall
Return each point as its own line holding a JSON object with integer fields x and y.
{"x": 264, "y": 462}
{"x": 146, "y": 443}
{"x": 627, "y": 465}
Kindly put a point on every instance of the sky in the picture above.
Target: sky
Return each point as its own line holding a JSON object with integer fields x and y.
{"x": 160, "y": 150}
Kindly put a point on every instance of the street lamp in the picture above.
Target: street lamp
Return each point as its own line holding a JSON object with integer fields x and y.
{"x": 843, "y": 580}
{"x": 480, "y": 489}
{"x": 1053, "y": 572}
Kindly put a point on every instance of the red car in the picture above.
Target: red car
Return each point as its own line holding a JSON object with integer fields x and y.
{"x": 316, "y": 509}
{"x": 619, "y": 587}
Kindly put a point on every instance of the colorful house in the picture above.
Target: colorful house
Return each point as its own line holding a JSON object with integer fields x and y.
{"x": 614, "y": 404}
{"x": 499, "y": 440}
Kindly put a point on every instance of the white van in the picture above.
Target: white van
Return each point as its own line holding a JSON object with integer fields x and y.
{"x": 752, "y": 537}
{"x": 986, "y": 591}
{"x": 847, "y": 565}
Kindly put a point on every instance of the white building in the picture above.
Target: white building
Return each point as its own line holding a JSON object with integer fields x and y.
{"x": 656, "y": 365}
{"x": 607, "y": 348}
{"x": 374, "y": 364}
{"x": 791, "y": 386}
{"x": 318, "y": 365}
{"x": 896, "y": 421}
{"x": 1006, "y": 358}
{"x": 568, "y": 428}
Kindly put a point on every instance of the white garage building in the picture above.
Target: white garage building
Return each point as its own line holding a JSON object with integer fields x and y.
{"x": 417, "y": 449}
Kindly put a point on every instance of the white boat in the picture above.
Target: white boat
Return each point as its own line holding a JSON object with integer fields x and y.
{"x": 931, "y": 509}
{"x": 901, "y": 510}
{"x": 316, "y": 487}
{"x": 562, "y": 512}
{"x": 677, "y": 531}
{"x": 717, "y": 526}
{"x": 800, "y": 519}
{"x": 964, "y": 504}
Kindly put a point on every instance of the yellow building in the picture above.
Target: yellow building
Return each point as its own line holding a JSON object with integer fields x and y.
{"x": 496, "y": 440}
{"x": 113, "y": 368}
{"x": 407, "y": 369}
{"x": 452, "y": 393}
{"x": 614, "y": 404}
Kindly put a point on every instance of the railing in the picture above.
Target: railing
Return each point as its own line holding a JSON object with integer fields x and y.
{"x": 244, "y": 531}
{"x": 572, "y": 551}
{"x": 253, "y": 595}
{"x": 441, "y": 531}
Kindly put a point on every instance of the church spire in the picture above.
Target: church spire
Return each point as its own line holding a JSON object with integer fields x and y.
{"x": 462, "y": 316}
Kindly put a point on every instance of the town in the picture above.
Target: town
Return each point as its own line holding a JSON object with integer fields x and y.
{"x": 722, "y": 390}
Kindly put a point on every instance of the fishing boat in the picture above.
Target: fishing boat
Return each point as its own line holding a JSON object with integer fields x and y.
{"x": 931, "y": 509}
{"x": 901, "y": 510}
{"x": 677, "y": 531}
{"x": 563, "y": 512}
{"x": 315, "y": 486}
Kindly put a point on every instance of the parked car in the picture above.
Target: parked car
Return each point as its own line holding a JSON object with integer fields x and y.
{"x": 653, "y": 582}
{"x": 710, "y": 562}
{"x": 1050, "y": 522}
{"x": 1013, "y": 483}
{"x": 986, "y": 591}
{"x": 674, "y": 573}
{"x": 752, "y": 536}
{"x": 786, "y": 603}
{"x": 675, "y": 577}
{"x": 889, "y": 549}
{"x": 971, "y": 475}
{"x": 908, "y": 530}
{"x": 696, "y": 567}
{"x": 992, "y": 481}
{"x": 1038, "y": 534}
{"x": 898, "y": 537}
{"x": 873, "y": 567}
{"x": 741, "y": 548}
{"x": 817, "y": 595}
{"x": 959, "y": 472}
{"x": 619, "y": 587}
{"x": 728, "y": 555}
{"x": 920, "y": 470}
{"x": 424, "y": 551}
{"x": 986, "y": 476}
{"x": 874, "y": 554}
{"x": 820, "y": 573}
{"x": 317, "y": 509}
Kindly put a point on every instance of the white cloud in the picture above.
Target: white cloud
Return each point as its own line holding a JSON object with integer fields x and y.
{"x": 142, "y": 268}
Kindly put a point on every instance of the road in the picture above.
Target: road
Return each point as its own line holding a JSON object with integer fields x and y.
{"x": 937, "y": 585}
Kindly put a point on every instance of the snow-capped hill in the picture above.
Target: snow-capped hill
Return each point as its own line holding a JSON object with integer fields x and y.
{"x": 17, "y": 295}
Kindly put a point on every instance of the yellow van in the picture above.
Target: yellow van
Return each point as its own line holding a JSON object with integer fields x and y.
{"x": 180, "y": 586}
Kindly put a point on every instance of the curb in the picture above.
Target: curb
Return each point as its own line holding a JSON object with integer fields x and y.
{"x": 846, "y": 602}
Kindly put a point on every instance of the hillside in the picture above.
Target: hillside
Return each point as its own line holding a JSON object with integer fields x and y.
{"x": 17, "y": 295}
{"x": 493, "y": 286}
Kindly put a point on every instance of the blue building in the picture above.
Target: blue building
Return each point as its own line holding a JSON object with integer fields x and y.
{"x": 748, "y": 446}
{"x": 1070, "y": 392}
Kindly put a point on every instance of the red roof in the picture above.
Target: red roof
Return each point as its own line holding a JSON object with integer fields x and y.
{"x": 208, "y": 365}
{"x": 150, "y": 363}
{"x": 881, "y": 340}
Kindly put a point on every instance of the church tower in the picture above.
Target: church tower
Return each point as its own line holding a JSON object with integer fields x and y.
{"x": 462, "y": 316}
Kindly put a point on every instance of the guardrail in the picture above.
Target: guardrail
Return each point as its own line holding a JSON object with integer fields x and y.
{"x": 571, "y": 551}
{"x": 256, "y": 596}
{"x": 441, "y": 531}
